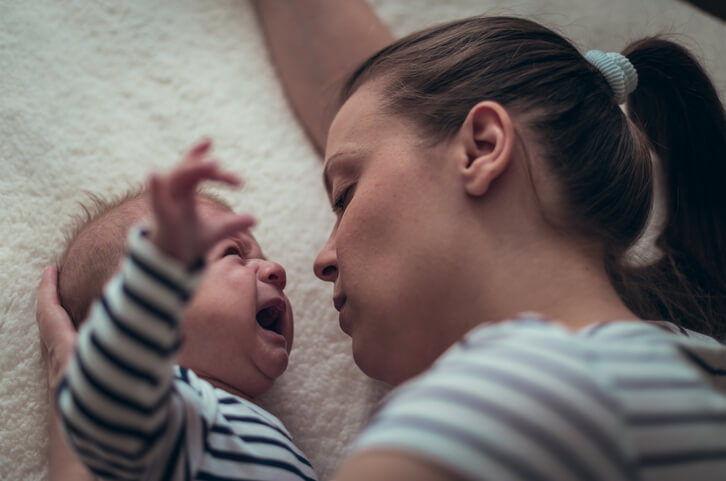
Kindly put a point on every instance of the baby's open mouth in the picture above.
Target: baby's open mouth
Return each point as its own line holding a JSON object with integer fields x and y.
{"x": 270, "y": 317}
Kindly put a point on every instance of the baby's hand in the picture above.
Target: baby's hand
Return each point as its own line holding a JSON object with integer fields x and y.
{"x": 179, "y": 232}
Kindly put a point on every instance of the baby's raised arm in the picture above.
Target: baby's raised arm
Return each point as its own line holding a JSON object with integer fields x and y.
{"x": 118, "y": 406}
{"x": 179, "y": 232}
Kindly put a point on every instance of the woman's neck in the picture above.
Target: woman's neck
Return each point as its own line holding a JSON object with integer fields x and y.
{"x": 555, "y": 279}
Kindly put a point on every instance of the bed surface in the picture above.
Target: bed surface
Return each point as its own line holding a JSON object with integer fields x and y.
{"x": 95, "y": 94}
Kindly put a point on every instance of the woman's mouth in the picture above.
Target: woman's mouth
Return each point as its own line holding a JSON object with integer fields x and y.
{"x": 339, "y": 301}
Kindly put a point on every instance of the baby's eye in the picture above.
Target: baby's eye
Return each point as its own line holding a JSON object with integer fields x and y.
{"x": 233, "y": 251}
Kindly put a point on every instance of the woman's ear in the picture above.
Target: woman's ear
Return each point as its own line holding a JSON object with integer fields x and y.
{"x": 488, "y": 137}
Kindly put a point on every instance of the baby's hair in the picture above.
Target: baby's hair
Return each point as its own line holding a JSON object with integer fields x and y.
{"x": 95, "y": 242}
{"x": 599, "y": 157}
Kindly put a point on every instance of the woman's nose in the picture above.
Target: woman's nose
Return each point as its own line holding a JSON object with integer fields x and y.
{"x": 326, "y": 263}
{"x": 272, "y": 273}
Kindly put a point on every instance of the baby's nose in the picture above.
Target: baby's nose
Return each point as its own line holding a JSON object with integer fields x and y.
{"x": 272, "y": 273}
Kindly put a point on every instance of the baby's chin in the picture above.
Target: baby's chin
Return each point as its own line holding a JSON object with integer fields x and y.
{"x": 268, "y": 369}
{"x": 276, "y": 364}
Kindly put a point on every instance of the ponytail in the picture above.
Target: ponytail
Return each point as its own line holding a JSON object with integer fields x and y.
{"x": 676, "y": 106}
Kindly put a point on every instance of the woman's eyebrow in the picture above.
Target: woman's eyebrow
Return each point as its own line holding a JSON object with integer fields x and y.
{"x": 330, "y": 166}
{"x": 338, "y": 161}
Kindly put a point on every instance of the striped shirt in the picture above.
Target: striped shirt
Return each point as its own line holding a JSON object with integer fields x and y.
{"x": 130, "y": 413}
{"x": 530, "y": 400}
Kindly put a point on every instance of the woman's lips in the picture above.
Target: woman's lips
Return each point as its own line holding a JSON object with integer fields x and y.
{"x": 344, "y": 320}
{"x": 339, "y": 301}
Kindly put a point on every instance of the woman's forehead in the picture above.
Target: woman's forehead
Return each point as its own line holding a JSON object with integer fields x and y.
{"x": 358, "y": 121}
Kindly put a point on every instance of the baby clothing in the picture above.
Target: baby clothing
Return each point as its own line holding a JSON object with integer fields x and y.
{"x": 530, "y": 400}
{"x": 129, "y": 413}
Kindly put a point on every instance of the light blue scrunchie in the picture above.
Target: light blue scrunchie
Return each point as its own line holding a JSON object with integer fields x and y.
{"x": 618, "y": 71}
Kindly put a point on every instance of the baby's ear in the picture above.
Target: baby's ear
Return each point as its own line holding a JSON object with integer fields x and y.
{"x": 488, "y": 137}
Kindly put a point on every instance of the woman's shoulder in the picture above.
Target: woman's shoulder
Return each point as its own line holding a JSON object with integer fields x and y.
{"x": 608, "y": 361}
{"x": 507, "y": 400}
{"x": 527, "y": 396}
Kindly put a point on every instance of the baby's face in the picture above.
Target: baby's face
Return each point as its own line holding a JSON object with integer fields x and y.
{"x": 238, "y": 328}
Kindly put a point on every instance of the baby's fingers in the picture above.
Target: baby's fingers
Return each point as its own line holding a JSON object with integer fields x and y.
{"x": 184, "y": 180}
{"x": 228, "y": 225}
{"x": 198, "y": 150}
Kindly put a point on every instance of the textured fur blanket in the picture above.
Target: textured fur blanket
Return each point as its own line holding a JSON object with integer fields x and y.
{"x": 95, "y": 94}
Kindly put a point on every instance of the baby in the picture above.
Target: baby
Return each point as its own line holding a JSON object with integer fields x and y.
{"x": 126, "y": 408}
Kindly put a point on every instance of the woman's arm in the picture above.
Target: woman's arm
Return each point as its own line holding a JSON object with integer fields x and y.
{"x": 57, "y": 338}
{"x": 315, "y": 44}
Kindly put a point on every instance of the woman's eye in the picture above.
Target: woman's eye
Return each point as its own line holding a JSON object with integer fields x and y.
{"x": 341, "y": 202}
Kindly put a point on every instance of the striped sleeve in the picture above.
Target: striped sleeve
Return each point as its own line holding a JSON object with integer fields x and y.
{"x": 118, "y": 406}
{"x": 499, "y": 407}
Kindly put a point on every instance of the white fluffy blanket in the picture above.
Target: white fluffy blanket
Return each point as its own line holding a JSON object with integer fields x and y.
{"x": 94, "y": 94}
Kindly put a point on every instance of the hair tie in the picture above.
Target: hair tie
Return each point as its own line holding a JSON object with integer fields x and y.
{"x": 618, "y": 71}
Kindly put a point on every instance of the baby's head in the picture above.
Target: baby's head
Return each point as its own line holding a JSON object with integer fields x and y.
{"x": 238, "y": 327}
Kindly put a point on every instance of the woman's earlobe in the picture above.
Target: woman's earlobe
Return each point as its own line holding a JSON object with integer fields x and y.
{"x": 488, "y": 135}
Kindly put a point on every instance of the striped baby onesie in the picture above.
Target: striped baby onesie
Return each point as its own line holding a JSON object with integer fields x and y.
{"x": 530, "y": 400}
{"x": 129, "y": 413}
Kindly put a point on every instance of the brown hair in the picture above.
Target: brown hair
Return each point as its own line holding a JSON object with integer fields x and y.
{"x": 95, "y": 244}
{"x": 599, "y": 156}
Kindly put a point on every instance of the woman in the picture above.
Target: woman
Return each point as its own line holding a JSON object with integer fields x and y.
{"x": 483, "y": 168}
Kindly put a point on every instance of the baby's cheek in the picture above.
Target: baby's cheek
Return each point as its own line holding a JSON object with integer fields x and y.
{"x": 228, "y": 274}
{"x": 240, "y": 282}
{"x": 233, "y": 288}
{"x": 226, "y": 292}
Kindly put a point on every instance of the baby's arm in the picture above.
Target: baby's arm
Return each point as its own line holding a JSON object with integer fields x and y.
{"x": 179, "y": 232}
{"x": 117, "y": 404}
{"x": 62, "y": 463}
{"x": 315, "y": 45}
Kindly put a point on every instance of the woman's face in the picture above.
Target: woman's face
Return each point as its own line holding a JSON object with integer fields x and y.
{"x": 392, "y": 254}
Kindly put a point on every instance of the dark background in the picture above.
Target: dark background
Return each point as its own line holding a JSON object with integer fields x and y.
{"x": 714, "y": 7}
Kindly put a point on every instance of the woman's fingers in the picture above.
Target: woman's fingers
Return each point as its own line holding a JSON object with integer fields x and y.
{"x": 55, "y": 328}
{"x": 53, "y": 321}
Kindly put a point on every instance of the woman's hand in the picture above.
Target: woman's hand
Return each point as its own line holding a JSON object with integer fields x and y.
{"x": 57, "y": 341}
{"x": 57, "y": 335}
{"x": 179, "y": 232}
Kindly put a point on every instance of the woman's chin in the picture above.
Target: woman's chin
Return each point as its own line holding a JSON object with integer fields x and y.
{"x": 372, "y": 365}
